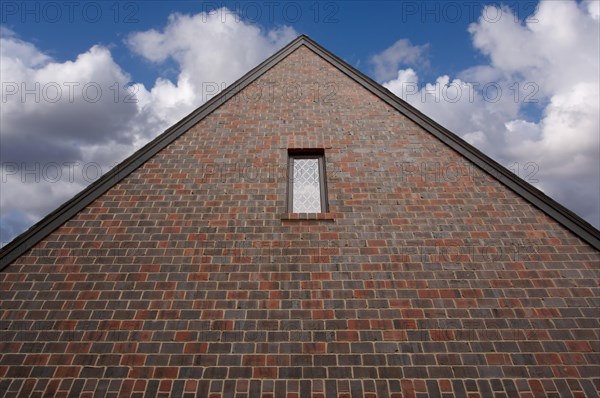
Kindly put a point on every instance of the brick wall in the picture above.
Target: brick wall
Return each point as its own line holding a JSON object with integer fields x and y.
{"x": 428, "y": 278}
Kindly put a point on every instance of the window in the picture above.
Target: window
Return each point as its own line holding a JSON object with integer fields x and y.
{"x": 307, "y": 192}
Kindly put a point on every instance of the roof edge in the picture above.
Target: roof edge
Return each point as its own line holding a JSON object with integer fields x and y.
{"x": 549, "y": 206}
{"x": 67, "y": 210}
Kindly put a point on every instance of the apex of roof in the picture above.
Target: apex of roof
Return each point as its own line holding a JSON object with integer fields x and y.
{"x": 52, "y": 221}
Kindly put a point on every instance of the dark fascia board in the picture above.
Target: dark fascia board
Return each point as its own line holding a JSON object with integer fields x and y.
{"x": 52, "y": 221}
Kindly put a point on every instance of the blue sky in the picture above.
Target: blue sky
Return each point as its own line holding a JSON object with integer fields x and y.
{"x": 353, "y": 30}
{"x": 517, "y": 79}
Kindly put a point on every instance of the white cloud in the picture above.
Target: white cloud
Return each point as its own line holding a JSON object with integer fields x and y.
{"x": 593, "y": 7}
{"x": 51, "y": 113}
{"x": 210, "y": 51}
{"x": 552, "y": 58}
{"x": 402, "y": 52}
{"x": 405, "y": 84}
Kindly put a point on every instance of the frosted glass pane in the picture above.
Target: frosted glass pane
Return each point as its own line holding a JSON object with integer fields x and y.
{"x": 306, "y": 188}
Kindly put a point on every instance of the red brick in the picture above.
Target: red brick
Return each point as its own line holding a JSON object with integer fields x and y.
{"x": 265, "y": 373}
{"x": 578, "y": 346}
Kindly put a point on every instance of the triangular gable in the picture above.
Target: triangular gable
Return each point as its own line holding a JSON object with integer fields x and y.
{"x": 52, "y": 221}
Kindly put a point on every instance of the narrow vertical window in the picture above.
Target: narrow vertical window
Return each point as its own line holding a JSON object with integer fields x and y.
{"x": 306, "y": 185}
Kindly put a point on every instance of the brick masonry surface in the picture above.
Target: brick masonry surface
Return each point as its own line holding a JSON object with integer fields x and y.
{"x": 188, "y": 278}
